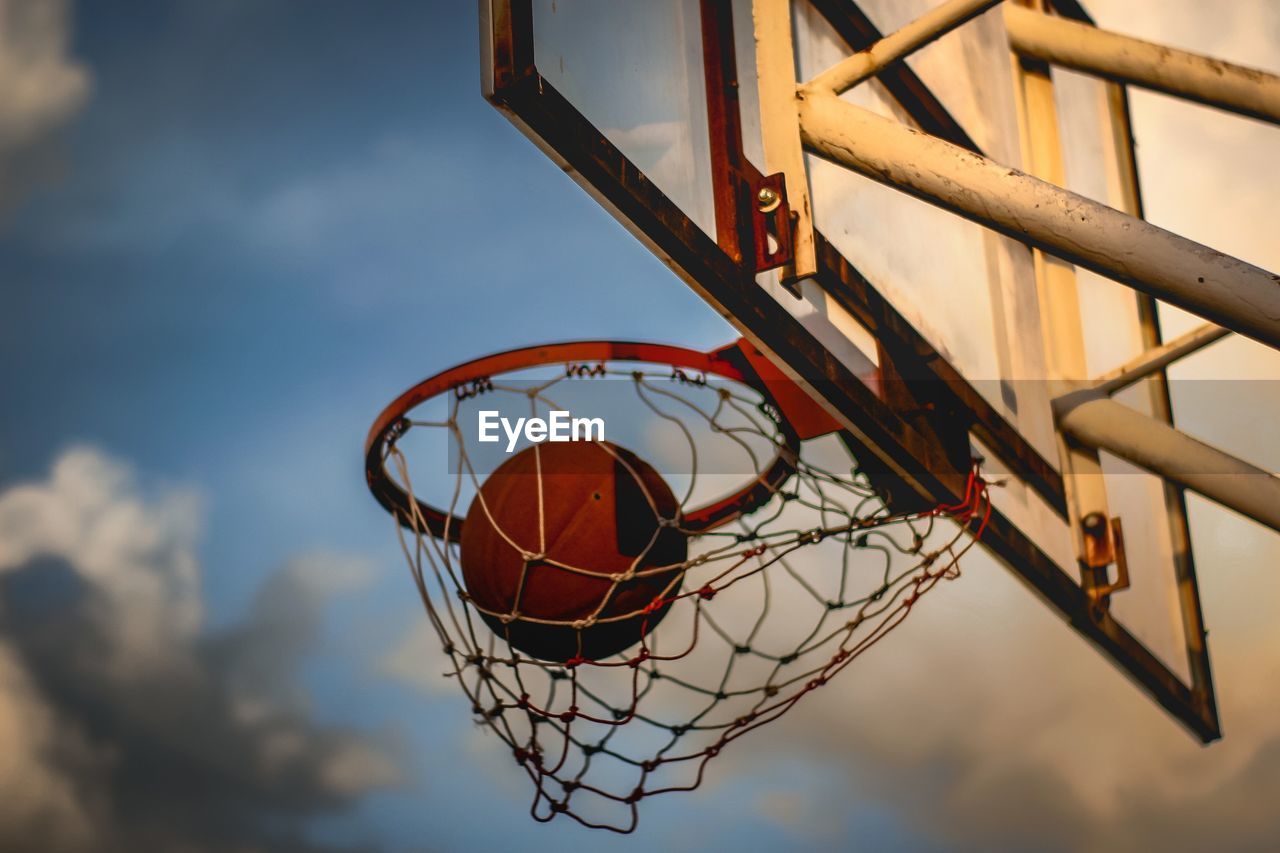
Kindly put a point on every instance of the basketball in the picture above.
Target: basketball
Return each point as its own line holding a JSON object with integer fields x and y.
{"x": 550, "y": 556}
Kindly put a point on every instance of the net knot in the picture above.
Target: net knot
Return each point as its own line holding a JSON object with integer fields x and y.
{"x": 587, "y": 370}
{"x": 635, "y": 796}
{"x": 570, "y": 715}
{"x": 559, "y": 806}
{"x": 532, "y": 557}
{"x": 654, "y": 606}
{"x": 707, "y": 593}
{"x": 473, "y": 388}
{"x": 639, "y": 659}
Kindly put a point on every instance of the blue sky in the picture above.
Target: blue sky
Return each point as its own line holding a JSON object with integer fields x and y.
{"x": 263, "y": 234}
{"x": 265, "y": 220}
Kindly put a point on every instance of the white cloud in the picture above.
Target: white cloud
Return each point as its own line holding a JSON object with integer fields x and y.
{"x": 132, "y": 726}
{"x": 41, "y": 89}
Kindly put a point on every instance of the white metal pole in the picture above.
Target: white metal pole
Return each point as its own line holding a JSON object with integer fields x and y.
{"x": 1158, "y": 359}
{"x": 1099, "y": 421}
{"x": 1218, "y": 287}
{"x": 933, "y": 24}
{"x": 1129, "y": 60}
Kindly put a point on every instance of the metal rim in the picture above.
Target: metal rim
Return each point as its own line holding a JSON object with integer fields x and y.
{"x": 726, "y": 363}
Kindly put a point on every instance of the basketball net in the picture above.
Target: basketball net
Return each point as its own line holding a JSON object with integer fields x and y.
{"x": 769, "y": 606}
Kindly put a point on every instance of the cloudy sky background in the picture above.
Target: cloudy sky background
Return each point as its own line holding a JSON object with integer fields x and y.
{"x": 230, "y": 232}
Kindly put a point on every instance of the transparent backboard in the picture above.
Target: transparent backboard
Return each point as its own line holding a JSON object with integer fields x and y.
{"x": 618, "y": 94}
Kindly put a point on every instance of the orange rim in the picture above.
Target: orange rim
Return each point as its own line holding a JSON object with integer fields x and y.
{"x": 727, "y": 363}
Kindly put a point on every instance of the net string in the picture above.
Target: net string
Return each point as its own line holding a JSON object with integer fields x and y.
{"x": 560, "y": 721}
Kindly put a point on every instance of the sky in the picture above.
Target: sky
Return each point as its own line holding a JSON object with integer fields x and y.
{"x": 231, "y": 231}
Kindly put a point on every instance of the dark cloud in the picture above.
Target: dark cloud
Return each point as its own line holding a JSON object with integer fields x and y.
{"x": 131, "y": 727}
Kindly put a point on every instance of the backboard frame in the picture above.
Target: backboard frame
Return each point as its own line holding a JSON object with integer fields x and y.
{"x": 913, "y": 438}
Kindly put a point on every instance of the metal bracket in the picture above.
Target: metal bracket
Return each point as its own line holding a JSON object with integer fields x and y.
{"x": 771, "y": 226}
{"x": 1103, "y": 546}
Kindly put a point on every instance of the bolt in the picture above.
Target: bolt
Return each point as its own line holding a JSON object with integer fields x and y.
{"x": 768, "y": 200}
{"x": 1094, "y": 523}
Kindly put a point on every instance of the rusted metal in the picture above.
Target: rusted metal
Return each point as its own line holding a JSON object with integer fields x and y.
{"x": 1105, "y": 540}
{"x": 1100, "y": 549}
{"x": 884, "y": 441}
{"x": 735, "y": 183}
{"x": 724, "y": 126}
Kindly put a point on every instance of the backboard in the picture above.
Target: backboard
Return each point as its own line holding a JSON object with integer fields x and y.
{"x": 930, "y": 338}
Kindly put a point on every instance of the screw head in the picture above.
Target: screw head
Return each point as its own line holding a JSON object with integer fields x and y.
{"x": 768, "y": 200}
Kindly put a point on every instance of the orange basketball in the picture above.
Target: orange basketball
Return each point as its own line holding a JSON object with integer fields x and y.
{"x": 600, "y": 512}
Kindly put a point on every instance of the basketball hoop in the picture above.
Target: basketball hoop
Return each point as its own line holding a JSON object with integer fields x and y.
{"x": 727, "y": 612}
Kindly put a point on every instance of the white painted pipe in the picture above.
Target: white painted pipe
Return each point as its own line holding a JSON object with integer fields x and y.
{"x": 937, "y": 22}
{"x": 1101, "y": 422}
{"x": 1158, "y": 358}
{"x": 1129, "y": 60}
{"x": 1218, "y": 287}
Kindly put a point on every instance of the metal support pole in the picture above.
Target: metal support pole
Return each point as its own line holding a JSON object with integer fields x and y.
{"x": 932, "y": 25}
{"x": 1154, "y": 445}
{"x": 1247, "y": 91}
{"x": 1157, "y": 359}
{"x": 1217, "y": 287}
